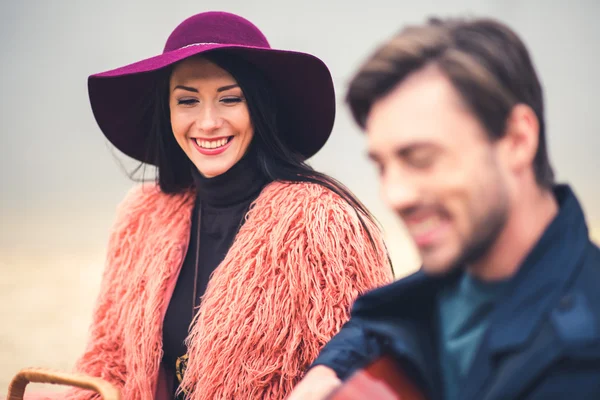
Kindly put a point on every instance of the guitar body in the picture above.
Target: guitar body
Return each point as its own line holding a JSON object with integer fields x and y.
{"x": 380, "y": 380}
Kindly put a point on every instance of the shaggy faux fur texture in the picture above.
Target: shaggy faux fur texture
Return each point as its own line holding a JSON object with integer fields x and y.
{"x": 283, "y": 290}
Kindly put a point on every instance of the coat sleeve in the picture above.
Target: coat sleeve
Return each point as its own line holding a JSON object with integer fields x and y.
{"x": 349, "y": 264}
{"x": 350, "y": 259}
{"x": 363, "y": 266}
{"x": 351, "y": 349}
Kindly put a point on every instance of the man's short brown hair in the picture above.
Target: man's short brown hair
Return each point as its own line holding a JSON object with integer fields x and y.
{"x": 484, "y": 59}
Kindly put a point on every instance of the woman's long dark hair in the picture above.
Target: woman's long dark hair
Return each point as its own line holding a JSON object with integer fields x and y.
{"x": 276, "y": 160}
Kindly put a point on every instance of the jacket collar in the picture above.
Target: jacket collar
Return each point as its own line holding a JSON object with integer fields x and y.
{"x": 547, "y": 269}
{"x": 543, "y": 275}
{"x": 532, "y": 294}
{"x": 407, "y": 307}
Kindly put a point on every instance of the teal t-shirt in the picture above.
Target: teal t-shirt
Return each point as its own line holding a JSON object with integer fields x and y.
{"x": 464, "y": 309}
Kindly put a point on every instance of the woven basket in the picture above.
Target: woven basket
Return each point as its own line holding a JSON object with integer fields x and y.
{"x": 16, "y": 389}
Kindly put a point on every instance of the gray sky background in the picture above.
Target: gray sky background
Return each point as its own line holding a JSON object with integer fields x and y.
{"x": 60, "y": 181}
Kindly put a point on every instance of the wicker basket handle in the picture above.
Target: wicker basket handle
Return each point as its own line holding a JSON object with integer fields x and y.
{"x": 16, "y": 389}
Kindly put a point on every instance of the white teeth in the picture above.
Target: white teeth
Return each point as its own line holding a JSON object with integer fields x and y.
{"x": 211, "y": 144}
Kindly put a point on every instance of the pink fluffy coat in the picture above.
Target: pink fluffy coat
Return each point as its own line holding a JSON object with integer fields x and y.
{"x": 283, "y": 290}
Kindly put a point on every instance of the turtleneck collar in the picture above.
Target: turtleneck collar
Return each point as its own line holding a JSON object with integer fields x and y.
{"x": 239, "y": 183}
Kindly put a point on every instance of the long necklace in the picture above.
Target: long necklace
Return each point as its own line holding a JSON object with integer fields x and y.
{"x": 195, "y": 299}
{"x": 182, "y": 361}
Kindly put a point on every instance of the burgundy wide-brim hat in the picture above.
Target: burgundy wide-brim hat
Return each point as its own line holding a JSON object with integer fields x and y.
{"x": 120, "y": 98}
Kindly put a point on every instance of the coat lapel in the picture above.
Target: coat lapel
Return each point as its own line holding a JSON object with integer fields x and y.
{"x": 519, "y": 322}
{"x": 155, "y": 245}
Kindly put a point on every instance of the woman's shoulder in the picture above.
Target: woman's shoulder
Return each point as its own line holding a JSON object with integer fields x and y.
{"x": 147, "y": 198}
{"x": 309, "y": 200}
{"x": 301, "y": 192}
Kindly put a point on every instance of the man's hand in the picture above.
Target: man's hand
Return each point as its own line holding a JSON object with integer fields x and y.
{"x": 318, "y": 383}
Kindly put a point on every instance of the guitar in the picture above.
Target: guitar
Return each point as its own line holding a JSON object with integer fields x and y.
{"x": 380, "y": 380}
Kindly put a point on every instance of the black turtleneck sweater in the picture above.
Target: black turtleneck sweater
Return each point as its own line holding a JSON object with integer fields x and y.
{"x": 218, "y": 214}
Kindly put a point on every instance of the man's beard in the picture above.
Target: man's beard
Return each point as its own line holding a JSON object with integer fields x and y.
{"x": 484, "y": 236}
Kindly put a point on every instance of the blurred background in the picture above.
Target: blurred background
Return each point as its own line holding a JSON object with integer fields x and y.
{"x": 60, "y": 181}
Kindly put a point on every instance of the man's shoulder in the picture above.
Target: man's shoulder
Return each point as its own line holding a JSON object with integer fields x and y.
{"x": 576, "y": 315}
{"x": 403, "y": 296}
{"x": 588, "y": 277}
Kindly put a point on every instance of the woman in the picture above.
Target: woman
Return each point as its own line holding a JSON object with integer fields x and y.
{"x": 225, "y": 279}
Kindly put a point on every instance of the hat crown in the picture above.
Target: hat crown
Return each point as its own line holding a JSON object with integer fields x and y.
{"x": 215, "y": 27}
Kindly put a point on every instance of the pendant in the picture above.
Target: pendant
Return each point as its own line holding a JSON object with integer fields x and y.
{"x": 180, "y": 367}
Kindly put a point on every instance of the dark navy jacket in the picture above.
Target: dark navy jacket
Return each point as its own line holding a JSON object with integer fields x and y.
{"x": 544, "y": 336}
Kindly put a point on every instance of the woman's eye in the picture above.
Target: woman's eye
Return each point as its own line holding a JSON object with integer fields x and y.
{"x": 186, "y": 101}
{"x": 231, "y": 100}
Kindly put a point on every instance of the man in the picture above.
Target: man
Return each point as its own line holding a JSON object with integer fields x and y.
{"x": 507, "y": 303}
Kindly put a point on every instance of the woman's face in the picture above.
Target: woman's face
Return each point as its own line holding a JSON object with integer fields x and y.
{"x": 209, "y": 116}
